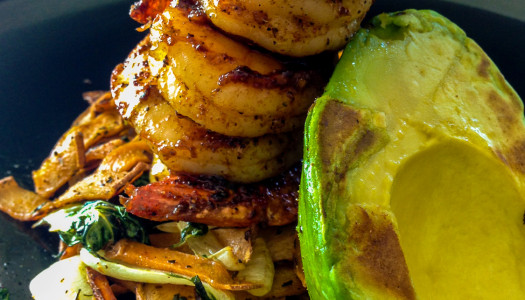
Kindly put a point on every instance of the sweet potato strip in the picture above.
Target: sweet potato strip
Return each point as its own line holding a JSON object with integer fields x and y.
{"x": 99, "y": 152}
{"x": 68, "y": 251}
{"x": 18, "y": 202}
{"x": 98, "y": 102}
{"x": 144, "y": 256}
{"x": 66, "y": 157}
{"x": 122, "y": 165}
{"x": 92, "y": 97}
{"x": 127, "y": 156}
{"x": 101, "y": 185}
{"x": 99, "y": 121}
{"x": 107, "y": 124}
{"x": 100, "y": 285}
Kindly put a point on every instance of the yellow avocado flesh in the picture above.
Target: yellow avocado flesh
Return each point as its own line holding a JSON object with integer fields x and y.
{"x": 460, "y": 221}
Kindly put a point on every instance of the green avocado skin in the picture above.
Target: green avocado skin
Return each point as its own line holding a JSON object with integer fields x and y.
{"x": 321, "y": 224}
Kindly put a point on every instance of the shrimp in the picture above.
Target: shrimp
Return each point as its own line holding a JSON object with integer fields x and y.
{"x": 224, "y": 85}
{"x": 183, "y": 145}
{"x": 290, "y": 27}
{"x": 212, "y": 200}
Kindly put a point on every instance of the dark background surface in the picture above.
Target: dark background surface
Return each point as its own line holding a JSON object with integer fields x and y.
{"x": 48, "y": 59}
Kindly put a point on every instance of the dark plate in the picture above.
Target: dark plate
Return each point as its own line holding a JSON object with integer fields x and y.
{"x": 52, "y": 51}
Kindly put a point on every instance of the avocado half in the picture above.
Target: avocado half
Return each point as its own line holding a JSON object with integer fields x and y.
{"x": 413, "y": 179}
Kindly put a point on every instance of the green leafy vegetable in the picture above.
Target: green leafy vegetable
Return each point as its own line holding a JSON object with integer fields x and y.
{"x": 199, "y": 288}
{"x": 4, "y": 294}
{"x": 191, "y": 230}
{"x": 94, "y": 224}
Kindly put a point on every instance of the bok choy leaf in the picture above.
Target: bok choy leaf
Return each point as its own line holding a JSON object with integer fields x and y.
{"x": 94, "y": 224}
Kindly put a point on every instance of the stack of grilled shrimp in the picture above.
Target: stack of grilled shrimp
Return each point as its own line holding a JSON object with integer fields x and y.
{"x": 222, "y": 88}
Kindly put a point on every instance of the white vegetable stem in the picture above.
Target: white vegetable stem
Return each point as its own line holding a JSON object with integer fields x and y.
{"x": 259, "y": 269}
{"x": 64, "y": 280}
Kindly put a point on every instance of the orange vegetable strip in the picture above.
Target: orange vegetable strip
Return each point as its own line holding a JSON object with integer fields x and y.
{"x": 18, "y": 202}
{"x": 144, "y": 256}
{"x": 127, "y": 156}
{"x": 98, "y": 186}
{"x": 92, "y": 97}
{"x": 61, "y": 165}
{"x": 106, "y": 124}
{"x": 122, "y": 165}
{"x": 64, "y": 160}
{"x": 101, "y": 151}
{"x": 68, "y": 251}
{"x": 100, "y": 285}
{"x": 99, "y": 102}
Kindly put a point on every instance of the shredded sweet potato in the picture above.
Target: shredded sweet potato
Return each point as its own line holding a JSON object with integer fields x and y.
{"x": 18, "y": 202}
{"x": 68, "y": 251}
{"x": 100, "y": 285}
{"x": 144, "y": 256}
{"x": 99, "y": 102}
{"x": 100, "y": 121}
{"x": 127, "y": 156}
{"x": 99, "y": 152}
{"x": 122, "y": 165}
{"x": 92, "y": 97}
{"x": 66, "y": 158}
{"x": 106, "y": 124}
